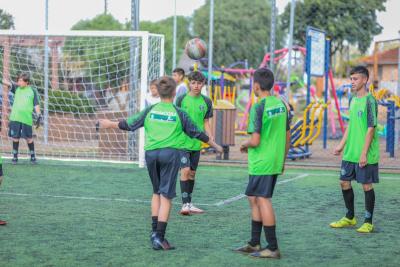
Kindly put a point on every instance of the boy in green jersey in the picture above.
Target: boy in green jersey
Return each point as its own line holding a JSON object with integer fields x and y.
{"x": 26, "y": 100}
{"x": 166, "y": 130}
{"x": 199, "y": 109}
{"x": 1, "y": 180}
{"x": 360, "y": 143}
{"x": 267, "y": 149}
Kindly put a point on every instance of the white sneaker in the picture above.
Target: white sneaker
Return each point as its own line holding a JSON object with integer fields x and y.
{"x": 185, "y": 209}
{"x": 193, "y": 209}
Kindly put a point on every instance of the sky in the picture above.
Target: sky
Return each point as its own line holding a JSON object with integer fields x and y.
{"x": 29, "y": 14}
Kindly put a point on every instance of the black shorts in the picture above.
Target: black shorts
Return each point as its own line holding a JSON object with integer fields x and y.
{"x": 366, "y": 175}
{"x": 19, "y": 130}
{"x": 261, "y": 185}
{"x": 1, "y": 169}
{"x": 190, "y": 159}
{"x": 163, "y": 167}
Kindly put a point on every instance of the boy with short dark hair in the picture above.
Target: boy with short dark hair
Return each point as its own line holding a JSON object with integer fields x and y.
{"x": 178, "y": 75}
{"x": 267, "y": 148}
{"x": 26, "y": 100}
{"x": 199, "y": 109}
{"x": 361, "y": 151}
{"x": 166, "y": 131}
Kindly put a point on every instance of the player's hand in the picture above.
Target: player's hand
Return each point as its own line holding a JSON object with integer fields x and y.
{"x": 104, "y": 124}
{"x": 8, "y": 83}
{"x": 243, "y": 148}
{"x": 39, "y": 119}
{"x": 219, "y": 149}
{"x": 338, "y": 150}
{"x": 363, "y": 160}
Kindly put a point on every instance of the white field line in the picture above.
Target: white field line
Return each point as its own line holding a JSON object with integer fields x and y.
{"x": 240, "y": 196}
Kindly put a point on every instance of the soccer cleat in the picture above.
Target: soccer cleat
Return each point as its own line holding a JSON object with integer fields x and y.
{"x": 3, "y": 222}
{"x": 194, "y": 210}
{"x": 366, "y": 228}
{"x": 33, "y": 161}
{"x": 161, "y": 245}
{"x": 185, "y": 209}
{"x": 344, "y": 222}
{"x": 247, "y": 249}
{"x": 152, "y": 236}
{"x": 266, "y": 253}
{"x": 14, "y": 161}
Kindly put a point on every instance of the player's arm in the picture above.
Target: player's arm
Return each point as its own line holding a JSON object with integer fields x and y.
{"x": 254, "y": 128}
{"x": 207, "y": 117}
{"x": 13, "y": 86}
{"x": 339, "y": 148}
{"x": 36, "y": 105}
{"x": 192, "y": 131}
{"x": 372, "y": 122}
{"x": 132, "y": 123}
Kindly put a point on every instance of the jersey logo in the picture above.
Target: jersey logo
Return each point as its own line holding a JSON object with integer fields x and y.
{"x": 163, "y": 116}
{"x": 359, "y": 113}
{"x": 202, "y": 108}
{"x": 275, "y": 111}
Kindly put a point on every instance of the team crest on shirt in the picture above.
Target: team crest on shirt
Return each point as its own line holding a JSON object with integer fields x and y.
{"x": 184, "y": 160}
{"x": 359, "y": 113}
{"x": 202, "y": 107}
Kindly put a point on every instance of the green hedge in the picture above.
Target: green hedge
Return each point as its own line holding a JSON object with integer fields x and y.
{"x": 68, "y": 102}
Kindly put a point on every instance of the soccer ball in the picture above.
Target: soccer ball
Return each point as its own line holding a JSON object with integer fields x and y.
{"x": 196, "y": 48}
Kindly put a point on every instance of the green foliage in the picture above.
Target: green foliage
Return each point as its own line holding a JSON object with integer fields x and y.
{"x": 6, "y": 20}
{"x": 354, "y": 21}
{"x": 241, "y": 30}
{"x": 68, "y": 102}
{"x": 101, "y": 22}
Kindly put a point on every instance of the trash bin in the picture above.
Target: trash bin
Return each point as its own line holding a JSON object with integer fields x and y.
{"x": 223, "y": 126}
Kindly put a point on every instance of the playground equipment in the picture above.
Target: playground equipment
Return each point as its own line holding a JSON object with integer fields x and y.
{"x": 305, "y": 131}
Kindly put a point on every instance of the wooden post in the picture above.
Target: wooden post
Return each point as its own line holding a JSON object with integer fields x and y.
{"x": 6, "y": 76}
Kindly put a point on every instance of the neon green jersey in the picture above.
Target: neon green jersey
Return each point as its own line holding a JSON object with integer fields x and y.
{"x": 363, "y": 114}
{"x": 269, "y": 117}
{"x": 165, "y": 125}
{"x": 25, "y": 99}
{"x": 199, "y": 108}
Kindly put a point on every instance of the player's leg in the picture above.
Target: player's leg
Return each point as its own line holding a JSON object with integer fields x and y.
{"x": 256, "y": 227}
{"x": 184, "y": 182}
{"x": 347, "y": 174}
{"x": 1, "y": 180}
{"x": 154, "y": 174}
{"x": 27, "y": 134}
{"x": 367, "y": 176}
{"x": 194, "y": 163}
{"x": 266, "y": 189}
{"x": 169, "y": 162}
{"x": 15, "y": 129}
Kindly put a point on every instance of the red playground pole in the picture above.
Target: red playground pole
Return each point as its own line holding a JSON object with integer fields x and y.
{"x": 336, "y": 101}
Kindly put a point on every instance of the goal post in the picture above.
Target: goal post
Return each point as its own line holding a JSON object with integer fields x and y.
{"x": 82, "y": 76}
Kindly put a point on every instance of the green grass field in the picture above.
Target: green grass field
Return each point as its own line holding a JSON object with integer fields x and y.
{"x": 92, "y": 214}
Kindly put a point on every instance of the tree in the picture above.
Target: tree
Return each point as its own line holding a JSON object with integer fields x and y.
{"x": 354, "y": 21}
{"x": 241, "y": 30}
{"x": 165, "y": 27}
{"x": 6, "y": 20}
{"x": 102, "y": 22}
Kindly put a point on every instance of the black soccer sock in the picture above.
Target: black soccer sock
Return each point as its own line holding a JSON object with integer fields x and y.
{"x": 348, "y": 196}
{"x": 270, "y": 236}
{"x": 31, "y": 147}
{"x": 369, "y": 205}
{"x": 15, "y": 149}
{"x": 191, "y": 186}
{"x": 185, "y": 192}
{"x": 154, "y": 221}
{"x": 161, "y": 228}
{"x": 256, "y": 228}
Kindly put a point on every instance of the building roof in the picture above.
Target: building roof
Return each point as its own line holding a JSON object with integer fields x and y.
{"x": 390, "y": 56}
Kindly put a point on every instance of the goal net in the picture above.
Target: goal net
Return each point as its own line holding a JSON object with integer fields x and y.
{"x": 81, "y": 76}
